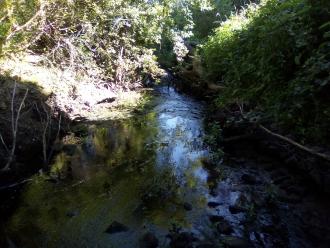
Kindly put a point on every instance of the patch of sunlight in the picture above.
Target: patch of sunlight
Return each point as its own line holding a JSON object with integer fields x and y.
{"x": 76, "y": 94}
{"x": 124, "y": 106}
{"x": 61, "y": 162}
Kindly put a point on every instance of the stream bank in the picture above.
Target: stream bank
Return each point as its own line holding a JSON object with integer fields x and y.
{"x": 49, "y": 121}
{"x": 240, "y": 126}
{"x": 53, "y": 101}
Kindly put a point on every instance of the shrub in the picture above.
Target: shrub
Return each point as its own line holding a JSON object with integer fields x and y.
{"x": 275, "y": 57}
{"x": 108, "y": 39}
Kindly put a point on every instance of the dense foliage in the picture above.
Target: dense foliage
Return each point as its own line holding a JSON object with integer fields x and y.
{"x": 272, "y": 55}
{"x": 110, "y": 39}
{"x": 189, "y": 22}
{"x": 110, "y": 33}
{"x": 274, "y": 58}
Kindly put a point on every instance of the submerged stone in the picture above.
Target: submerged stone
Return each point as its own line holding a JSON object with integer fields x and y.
{"x": 216, "y": 218}
{"x": 224, "y": 227}
{"x": 149, "y": 240}
{"x": 235, "y": 242}
{"x": 248, "y": 179}
{"x": 205, "y": 245}
{"x": 213, "y": 204}
{"x": 182, "y": 240}
{"x": 116, "y": 227}
{"x": 187, "y": 206}
{"x": 69, "y": 149}
{"x": 236, "y": 209}
{"x": 72, "y": 213}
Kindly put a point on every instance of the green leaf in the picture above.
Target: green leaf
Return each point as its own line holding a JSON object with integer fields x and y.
{"x": 325, "y": 25}
{"x": 326, "y": 35}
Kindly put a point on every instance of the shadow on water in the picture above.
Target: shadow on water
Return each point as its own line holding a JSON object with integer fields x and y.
{"x": 127, "y": 178}
{"x": 149, "y": 181}
{"x": 28, "y": 158}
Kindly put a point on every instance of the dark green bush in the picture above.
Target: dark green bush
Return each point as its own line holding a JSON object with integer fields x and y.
{"x": 275, "y": 57}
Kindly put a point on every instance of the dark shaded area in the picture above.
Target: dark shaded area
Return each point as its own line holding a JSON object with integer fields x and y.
{"x": 28, "y": 158}
{"x": 38, "y": 109}
{"x": 142, "y": 182}
{"x": 242, "y": 137}
{"x": 116, "y": 227}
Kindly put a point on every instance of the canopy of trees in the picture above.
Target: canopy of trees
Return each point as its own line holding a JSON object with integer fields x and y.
{"x": 271, "y": 55}
{"x": 117, "y": 37}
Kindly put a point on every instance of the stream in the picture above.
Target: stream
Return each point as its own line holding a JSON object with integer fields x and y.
{"x": 151, "y": 181}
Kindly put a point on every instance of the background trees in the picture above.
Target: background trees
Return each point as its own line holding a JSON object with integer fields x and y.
{"x": 272, "y": 55}
{"x": 117, "y": 37}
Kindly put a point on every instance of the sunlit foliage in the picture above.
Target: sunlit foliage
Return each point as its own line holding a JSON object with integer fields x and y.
{"x": 114, "y": 38}
{"x": 271, "y": 54}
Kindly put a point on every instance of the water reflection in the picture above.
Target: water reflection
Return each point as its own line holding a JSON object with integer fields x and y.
{"x": 138, "y": 172}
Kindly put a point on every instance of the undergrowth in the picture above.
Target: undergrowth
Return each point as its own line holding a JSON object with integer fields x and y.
{"x": 274, "y": 57}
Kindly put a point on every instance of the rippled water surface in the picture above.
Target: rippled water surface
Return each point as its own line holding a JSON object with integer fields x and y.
{"x": 148, "y": 181}
{"x": 144, "y": 173}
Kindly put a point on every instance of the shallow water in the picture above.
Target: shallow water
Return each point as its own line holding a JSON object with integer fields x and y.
{"x": 141, "y": 172}
{"x": 152, "y": 174}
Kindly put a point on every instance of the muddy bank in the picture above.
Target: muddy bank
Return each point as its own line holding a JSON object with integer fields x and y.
{"x": 40, "y": 126}
{"x": 56, "y": 100}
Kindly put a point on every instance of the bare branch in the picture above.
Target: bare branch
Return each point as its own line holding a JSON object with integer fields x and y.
{"x": 27, "y": 24}
{"x": 4, "y": 18}
{"x": 16, "y": 184}
{"x": 44, "y": 140}
{"x": 56, "y": 138}
{"x": 4, "y": 143}
{"x": 286, "y": 139}
{"x": 20, "y": 108}
{"x": 14, "y": 125}
{"x": 292, "y": 142}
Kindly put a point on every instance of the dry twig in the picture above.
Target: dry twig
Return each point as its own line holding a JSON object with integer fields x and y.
{"x": 14, "y": 126}
{"x": 285, "y": 139}
{"x": 296, "y": 144}
{"x": 27, "y": 24}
